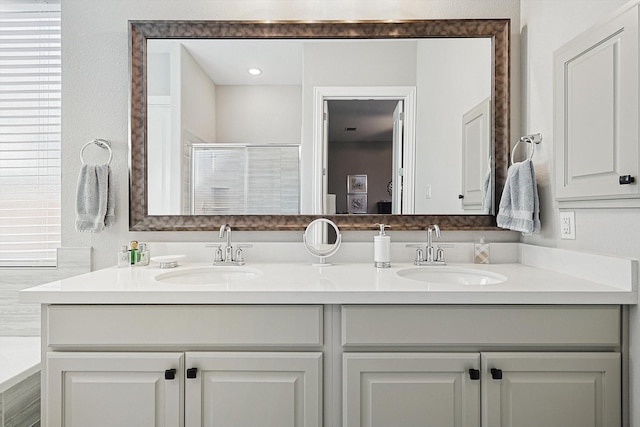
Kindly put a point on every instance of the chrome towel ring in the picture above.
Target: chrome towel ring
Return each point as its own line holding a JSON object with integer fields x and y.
{"x": 533, "y": 139}
{"x": 103, "y": 143}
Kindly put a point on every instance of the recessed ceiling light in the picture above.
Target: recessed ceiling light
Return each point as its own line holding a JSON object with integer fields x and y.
{"x": 255, "y": 71}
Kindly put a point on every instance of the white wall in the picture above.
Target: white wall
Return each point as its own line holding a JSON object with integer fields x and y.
{"x": 197, "y": 99}
{"x": 460, "y": 80}
{"x": 158, "y": 76}
{"x": 96, "y": 80}
{"x": 259, "y": 114}
{"x": 547, "y": 25}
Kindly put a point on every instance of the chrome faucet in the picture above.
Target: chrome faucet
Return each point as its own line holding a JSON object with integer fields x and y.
{"x": 228, "y": 255}
{"x": 228, "y": 249}
{"x": 431, "y": 251}
{"x": 434, "y": 256}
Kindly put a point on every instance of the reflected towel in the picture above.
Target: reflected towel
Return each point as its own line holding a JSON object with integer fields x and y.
{"x": 95, "y": 207}
{"x": 519, "y": 206}
{"x": 486, "y": 194}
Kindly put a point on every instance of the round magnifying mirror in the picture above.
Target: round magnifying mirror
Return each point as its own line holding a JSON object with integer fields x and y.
{"x": 322, "y": 239}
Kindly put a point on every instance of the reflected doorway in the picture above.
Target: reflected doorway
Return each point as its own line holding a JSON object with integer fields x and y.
{"x": 402, "y": 158}
{"x": 364, "y": 155}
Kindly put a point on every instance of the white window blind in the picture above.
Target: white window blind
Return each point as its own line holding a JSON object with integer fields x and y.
{"x": 29, "y": 132}
{"x": 236, "y": 180}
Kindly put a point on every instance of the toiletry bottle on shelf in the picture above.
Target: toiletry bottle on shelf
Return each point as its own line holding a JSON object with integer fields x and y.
{"x": 124, "y": 257}
{"x": 134, "y": 253}
{"x": 382, "y": 248}
{"x": 143, "y": 254}
{"x": 481, "y": 252}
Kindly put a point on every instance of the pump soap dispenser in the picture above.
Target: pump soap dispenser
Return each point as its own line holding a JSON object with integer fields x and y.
{"x": 382, "y": 248}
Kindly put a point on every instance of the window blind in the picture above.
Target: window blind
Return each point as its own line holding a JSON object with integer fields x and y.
{"x": 245, "y": 179}
{"x": 30, "y": 78}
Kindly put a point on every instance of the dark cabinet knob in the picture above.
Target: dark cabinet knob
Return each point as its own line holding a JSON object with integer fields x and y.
{"x": 496, "y": 374}
{"x": 626, "y": 179}
{"x": 192, "y": 372}
{"x": 474, "y": 374}
{"x": 170, "y": 374}
{"x": 460, "y": 196}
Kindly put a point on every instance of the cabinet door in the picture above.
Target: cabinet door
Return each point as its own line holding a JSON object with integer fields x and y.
{"x": 596, "y": 112}
{"x": 476, "y": 155}
{"x": 113, "y": 390}
{"x": 254, "y": 389}
{"x": 551, "y": 390}
{"x": 410, "y": 390}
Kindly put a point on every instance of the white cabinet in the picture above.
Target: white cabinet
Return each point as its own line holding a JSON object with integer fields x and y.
{"x": 341, "y": 366}
{"x": 411, "y": 390}
{"x": 113, "y": 365}
{"x": 253, "y": 389}
{"x": 513, "y": 389}
{"x": 113, "y": 389}
{"x": 551, "y": 389}
{"x": 240, "y": 389}
{"x": 596, "y": 114}
{"x": 457, "y": 366}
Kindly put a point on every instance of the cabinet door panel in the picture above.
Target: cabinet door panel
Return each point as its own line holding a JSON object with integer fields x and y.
{"x": 410, "y": 390}
{"x": 254, "y": 389}
{"x": 552, "y": 390}
{"x": 596, "y": 105}
{"x": 113, "y": 390}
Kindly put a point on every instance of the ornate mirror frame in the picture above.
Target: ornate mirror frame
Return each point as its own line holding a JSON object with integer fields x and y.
{"x": 140, "y": 31}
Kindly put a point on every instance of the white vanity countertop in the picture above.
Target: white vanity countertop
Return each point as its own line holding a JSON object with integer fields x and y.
{"x": 358, "y": 283}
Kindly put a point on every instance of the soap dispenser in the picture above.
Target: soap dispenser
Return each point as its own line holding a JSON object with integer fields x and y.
{"x": 481, "y": 252}
{"x": 382, "y": 248}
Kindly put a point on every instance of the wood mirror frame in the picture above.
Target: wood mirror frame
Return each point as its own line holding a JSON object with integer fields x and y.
{"x": 140, "y": 31}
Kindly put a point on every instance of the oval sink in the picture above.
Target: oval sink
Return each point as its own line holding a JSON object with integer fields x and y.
{"x": 451, "y": 275}
{"x": 213, "y": 275}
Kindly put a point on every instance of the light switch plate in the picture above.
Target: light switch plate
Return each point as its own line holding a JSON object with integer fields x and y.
{"x": 568, "y": 225}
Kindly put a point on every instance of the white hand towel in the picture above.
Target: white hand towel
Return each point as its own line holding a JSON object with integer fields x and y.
{"x": 486, "y": 194}
{"x": 95, "y": 207}
{"x": 520, "y": 206}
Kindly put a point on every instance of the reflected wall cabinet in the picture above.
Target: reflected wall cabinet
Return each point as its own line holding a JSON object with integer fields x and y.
{"x": 596, "y": 116}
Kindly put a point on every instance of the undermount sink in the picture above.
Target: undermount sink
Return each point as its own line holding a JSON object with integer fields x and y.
{"x": 212, "y": 275}
{"x": 451, "y": 275}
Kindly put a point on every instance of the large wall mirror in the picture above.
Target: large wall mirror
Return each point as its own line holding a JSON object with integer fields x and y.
{"x": 268, "y": 125}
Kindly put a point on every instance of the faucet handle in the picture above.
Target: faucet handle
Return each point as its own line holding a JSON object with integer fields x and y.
{"x": 239, "y": 258}
{"x": 218, "y": 253}
{"x": 440, "y": 251}
{"x": 419, "y": 253}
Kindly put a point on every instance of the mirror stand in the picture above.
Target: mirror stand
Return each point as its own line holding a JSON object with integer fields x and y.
{"x": 317, "y": 237}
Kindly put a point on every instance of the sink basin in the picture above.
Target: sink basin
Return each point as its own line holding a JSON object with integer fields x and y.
{"x": 451, "y": 275}
{"x": 212, "y": 275}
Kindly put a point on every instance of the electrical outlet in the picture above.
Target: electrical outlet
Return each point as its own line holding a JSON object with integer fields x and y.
{"x": 427, "y": 192}
{"x": 568, "y": 225}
